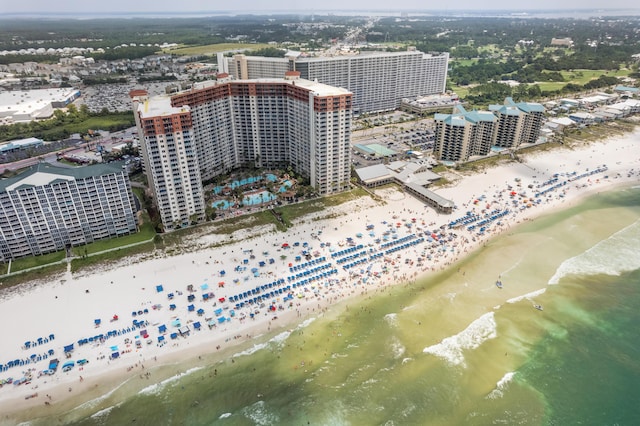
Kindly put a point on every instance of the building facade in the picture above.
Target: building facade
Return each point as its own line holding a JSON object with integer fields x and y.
{"x": 518, "y": 123}
{"x": 49, "y": 208}
{"x": 378, "y": 80}
{"x": 465, "y": 134}
{"x": 170, "y": 160}
{"x": 227, "y": 124}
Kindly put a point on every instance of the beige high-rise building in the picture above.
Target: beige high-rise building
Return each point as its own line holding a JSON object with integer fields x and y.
{"x": 218, "y": 126}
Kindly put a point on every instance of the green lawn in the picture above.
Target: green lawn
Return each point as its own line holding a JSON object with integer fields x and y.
{"x": 549, "y": 86}
{"x": 584, "y": 76}
{"x": 211, "y": 49}
{"x": 111, "y": 121}
{"x": 33, "y": 261}
{"x": 463, "y": 62}
{"x": 111, "y": 256}
{"x": 461, "y": 91}
{"x": 146, "y": 233}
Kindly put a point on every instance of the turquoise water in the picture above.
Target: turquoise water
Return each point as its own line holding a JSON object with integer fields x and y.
{"x": 247, "y": 181}
{"x": 258, "y": 198}
{"x": 248, "y": 200}
{"x": 451, "y": 349}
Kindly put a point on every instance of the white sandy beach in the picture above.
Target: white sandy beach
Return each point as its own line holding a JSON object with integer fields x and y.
{"x": 343, "y": 251}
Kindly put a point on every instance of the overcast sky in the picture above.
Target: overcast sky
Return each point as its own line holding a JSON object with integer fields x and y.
{"x": 89, "y": 6}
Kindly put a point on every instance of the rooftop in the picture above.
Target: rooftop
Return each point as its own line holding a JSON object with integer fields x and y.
{"x": 44, "y": 174}
{"x": 159, "y": 106}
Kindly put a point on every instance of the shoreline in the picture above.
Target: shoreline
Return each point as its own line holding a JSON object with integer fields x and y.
{"x": 98, "y": 295}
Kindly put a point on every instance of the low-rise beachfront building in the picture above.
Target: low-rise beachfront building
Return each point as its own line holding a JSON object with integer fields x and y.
{"x": 48, "y": 208}
{"x": 624, "y": 108}
{"x": 412, "y": 176}
{"x": 628, "y": 91}
{"x": 581, "y": 117}
{"x": 559, "y": 124}
{"x": 218, "y": 126}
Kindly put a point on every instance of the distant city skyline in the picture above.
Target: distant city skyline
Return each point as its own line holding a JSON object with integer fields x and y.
{"x": 281, "y": 6}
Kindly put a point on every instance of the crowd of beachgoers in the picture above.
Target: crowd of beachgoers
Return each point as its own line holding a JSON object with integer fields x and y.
{"x": 61, "y": 338}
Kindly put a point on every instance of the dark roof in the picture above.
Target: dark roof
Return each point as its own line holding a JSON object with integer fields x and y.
{"x": 75, "y": 172}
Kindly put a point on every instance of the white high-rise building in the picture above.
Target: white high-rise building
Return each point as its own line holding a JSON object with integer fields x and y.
{"x": 378, "y": 80}
{"x": 48, "y": 208}
{"x": 218, "y": 126}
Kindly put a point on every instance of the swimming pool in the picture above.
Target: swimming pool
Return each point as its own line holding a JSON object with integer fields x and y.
{"x": 285, "y": 185}
{"x": 248, "y": 181}
{"x": 221, "y": 205}
{"x": 257, "y": 198}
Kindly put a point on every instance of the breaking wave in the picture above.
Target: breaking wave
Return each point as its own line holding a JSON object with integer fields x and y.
{"x": 527, "y": 296}
{"x": 451, "y": 348}
{"x": 501, "y": 386}
{"x": 157, "y": 387}
{"x": 617, "y": 254}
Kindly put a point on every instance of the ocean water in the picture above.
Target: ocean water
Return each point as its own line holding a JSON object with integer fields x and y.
{"x": 448, "y": 350}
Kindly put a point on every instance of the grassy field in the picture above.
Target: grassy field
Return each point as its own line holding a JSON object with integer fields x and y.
{"x": 110, "y": 121}
{"x": 33, "y": 261}
{"x": 549, "y": 86}
{"x": 461, "y": 91}
{"x": 584, "y": 76}
{"x": 104, "y": 259}
{"x": 146, "y": 233}
{"x": 211, "y": 49}
{"x": 464, "y": 62}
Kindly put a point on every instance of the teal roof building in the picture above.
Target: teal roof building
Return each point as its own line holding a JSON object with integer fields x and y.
{"x": 48, "y": 208}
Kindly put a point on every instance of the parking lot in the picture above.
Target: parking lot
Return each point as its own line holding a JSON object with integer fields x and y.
{"x": 400, "y": 137}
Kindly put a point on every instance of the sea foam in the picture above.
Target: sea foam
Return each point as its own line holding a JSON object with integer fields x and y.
{"x": 157, "y": 387}
{"x": 391, "y": 319}
{"x": 501, "y": 386}
{"x": 527, "y": 296}
{"x": 451, "y": 348}
{"x": 260, "y": 414}
{"x": 612, "y": 256}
